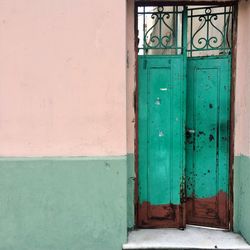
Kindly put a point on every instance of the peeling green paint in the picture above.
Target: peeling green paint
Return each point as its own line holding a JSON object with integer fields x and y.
{"x": 161, "y": 129}
{"x": 63, "y": 203}
{"x": 208, "y": 103}
{"x": 242, "y": 196}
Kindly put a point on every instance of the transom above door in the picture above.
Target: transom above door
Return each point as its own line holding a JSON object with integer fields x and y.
{"x": 184, "y": 76}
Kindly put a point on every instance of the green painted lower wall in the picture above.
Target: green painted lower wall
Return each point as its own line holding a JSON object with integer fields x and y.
{"x": 242, "y": 196}
{"x": 130, "y": 194}
{"x": 63, "y": 204}
{"x": 82, "y": 203}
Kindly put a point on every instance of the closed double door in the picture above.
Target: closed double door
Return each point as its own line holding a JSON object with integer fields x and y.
{"x": 183, "y": 141}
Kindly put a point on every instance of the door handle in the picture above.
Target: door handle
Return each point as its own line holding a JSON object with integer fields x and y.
{"x": 190, "y": 131}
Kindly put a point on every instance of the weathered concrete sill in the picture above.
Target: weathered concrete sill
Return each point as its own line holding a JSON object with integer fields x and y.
{"x": 190, "y": 238}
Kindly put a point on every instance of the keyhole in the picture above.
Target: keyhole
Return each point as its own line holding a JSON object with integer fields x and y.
{"x": 158, "y": 101}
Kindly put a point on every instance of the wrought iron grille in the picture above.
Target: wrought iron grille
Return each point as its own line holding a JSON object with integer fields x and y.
{"x": 158, "y": 29}
{"x": 210, "y": 29}
{"x": 194, "y": 31}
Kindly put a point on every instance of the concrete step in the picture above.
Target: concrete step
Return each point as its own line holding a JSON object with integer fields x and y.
{"x": 190, "y": 238}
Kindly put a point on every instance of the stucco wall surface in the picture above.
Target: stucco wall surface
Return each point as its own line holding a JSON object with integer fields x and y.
{"x": 62, "y": 78}
{"x": 242, "y": 100}
{"x": 131, "y": 79}
{"x": 131, "y": 76}
{"x": 242, "y": 196}
{"x": 63, "y": 204}
{"x": 63, "y": 94}
{"x": 242, "y": 124}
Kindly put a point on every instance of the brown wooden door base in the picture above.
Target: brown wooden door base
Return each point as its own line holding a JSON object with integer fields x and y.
{"x": 210, "y": 212}
{"x": 160, "y": 216}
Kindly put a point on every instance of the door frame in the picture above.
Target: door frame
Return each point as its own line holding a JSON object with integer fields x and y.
{"x": 232, "y": 94}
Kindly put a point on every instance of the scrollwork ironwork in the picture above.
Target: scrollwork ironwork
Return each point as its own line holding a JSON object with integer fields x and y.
{"x": 206, "y": 28}
{"x": 212, "y": 33}
{"x": 160, "y": 35}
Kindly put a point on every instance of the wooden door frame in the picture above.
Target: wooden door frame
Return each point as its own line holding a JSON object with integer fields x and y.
{"x": 232, "y": 94}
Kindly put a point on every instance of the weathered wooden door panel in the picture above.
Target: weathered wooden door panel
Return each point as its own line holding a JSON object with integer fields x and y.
{"x": 207, "y": 148}
{"x": 161, "y": 140}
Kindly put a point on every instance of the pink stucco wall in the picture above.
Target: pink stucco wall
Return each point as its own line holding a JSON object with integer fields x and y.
{"x": 62, "y": 78}
{"x": 242, "y": 100}
{"x": 131, "y": 76}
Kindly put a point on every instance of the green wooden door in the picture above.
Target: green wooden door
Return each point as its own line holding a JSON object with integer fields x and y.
{"x": 183, "y": 115}
{"x": 161, "y": 140}
{"x": 207, "y": 149}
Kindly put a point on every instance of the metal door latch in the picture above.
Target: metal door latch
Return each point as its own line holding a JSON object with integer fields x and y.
{"x": 190, "y": 131}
